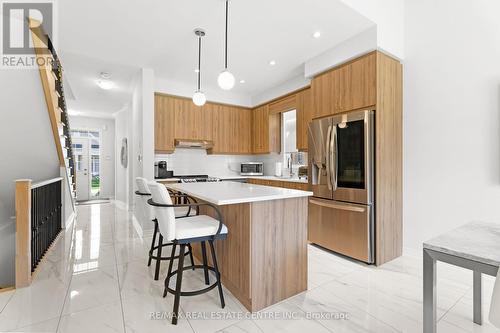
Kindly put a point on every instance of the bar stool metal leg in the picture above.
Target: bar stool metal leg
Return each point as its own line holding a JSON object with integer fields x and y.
{"x": 178, "y": 284}
{"x": 205, "y": 262}
{"x": 157, "y": 268}
{"x": 153, "y": 243}
{"x": 191, "y": 255}
{"x": 217, "y": 273}
{"x": 170, "y": 265}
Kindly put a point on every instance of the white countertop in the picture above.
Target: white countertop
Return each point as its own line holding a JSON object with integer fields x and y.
{"x": 478, "y": 241}
{"x": 230, "y": 177}
{"x": 292, "y": 180}
{"x": 229, "y": 193}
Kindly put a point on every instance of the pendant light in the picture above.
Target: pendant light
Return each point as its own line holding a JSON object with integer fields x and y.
{"x": 199, "y": 97}
{"x": 226, "y": 79}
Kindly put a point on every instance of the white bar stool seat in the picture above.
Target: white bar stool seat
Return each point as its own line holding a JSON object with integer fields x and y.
{"x": 183, "y": 231}
{"x": 144, "y": 194}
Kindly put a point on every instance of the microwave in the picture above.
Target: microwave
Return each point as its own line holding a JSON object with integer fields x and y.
{"x": 252, "y": 169}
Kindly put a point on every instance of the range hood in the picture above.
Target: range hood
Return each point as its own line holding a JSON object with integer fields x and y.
{"x": 196, "y": 144}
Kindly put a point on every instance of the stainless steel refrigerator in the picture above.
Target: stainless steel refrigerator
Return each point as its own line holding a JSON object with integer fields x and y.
{"x": 341, "y": 175}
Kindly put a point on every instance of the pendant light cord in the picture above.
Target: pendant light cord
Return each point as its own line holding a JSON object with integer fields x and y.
{"x": 199, "y": 62}
{"x": 227, "y": 10}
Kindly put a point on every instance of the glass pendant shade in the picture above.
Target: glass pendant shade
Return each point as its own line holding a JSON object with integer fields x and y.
{"x": 226, "y": 80}
{"x": 199, "y": 98}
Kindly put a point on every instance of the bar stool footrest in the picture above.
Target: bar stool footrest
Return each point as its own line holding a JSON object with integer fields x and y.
{"x": 193, "y": 292}
{"x": 155, "y": 248}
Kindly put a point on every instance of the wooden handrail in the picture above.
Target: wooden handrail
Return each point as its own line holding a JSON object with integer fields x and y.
{"x": 44, "y": 60}
{"x": 23, "y": 233}
{"x": 45, "y": 182}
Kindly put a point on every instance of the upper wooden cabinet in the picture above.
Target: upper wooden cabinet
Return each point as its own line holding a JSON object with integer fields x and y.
{"x": 231, "y": 130}
{"x": 266, "y": 131}
{"x": 284, "y": 104}
{"x": 192, "y": 122}
{"x": 304, "y": 109}
{"x": 229, "y": 127}
{"x": 164, "y": 124}
{"x": 348, "y": 87}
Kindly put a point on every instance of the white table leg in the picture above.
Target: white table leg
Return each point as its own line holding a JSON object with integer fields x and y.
{"x": 430, "y": 317}
{"x": 477, "y": 293}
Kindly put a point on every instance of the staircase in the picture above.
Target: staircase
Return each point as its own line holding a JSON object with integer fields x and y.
{"x": 64, "y": 129}
{"x": 51, "y": 75}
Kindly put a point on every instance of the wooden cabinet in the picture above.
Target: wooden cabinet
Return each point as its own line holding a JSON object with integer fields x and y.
{"x": 229, "y": 127}
{"x": 349, "y": 87}
{"x": 164, "y": 124}
{"x": 284, "y": 104}
{"x": 372, "y": 81}
{"x": 231, "y": 130}
{"x": 279, "y": 183}
{"x": 192, "y": 122}
{"x": 266, "y": 131}
{"x": 304, "y": 109}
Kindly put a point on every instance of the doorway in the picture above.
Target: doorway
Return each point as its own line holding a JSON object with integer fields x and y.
{"x": 86, "y": 150}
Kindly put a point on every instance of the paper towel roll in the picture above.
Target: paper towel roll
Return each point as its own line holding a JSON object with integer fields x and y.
{"x": 278, "y": 169}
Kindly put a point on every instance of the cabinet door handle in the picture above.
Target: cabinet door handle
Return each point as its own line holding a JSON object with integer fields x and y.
{"x": 351, "y": 208}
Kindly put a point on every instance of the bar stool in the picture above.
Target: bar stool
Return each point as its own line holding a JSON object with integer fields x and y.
{"x": 182, "y": 231}
{"x": 180, "y": 212}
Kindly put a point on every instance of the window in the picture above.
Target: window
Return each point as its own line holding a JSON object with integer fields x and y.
{"x": 291, "y": 157}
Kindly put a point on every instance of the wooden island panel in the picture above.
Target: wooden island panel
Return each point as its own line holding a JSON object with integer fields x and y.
{"x": 264, "y": 258}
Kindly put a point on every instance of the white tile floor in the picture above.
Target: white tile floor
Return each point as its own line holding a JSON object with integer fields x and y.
{"x": 95, "y": 279}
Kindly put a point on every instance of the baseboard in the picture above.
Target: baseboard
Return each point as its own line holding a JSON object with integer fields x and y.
{"x": 120, "y": 204}
{"x": 4, "y": 289}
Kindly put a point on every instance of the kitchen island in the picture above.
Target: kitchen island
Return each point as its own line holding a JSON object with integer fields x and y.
{"x": 264, "y": 258}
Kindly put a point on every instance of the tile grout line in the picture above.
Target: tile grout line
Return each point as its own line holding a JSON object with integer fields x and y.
{"x": 454, "y": 304}
{"x": 3, "y": 308}
{"x": 117, "y": 273}
{"x": 73, "y": 226}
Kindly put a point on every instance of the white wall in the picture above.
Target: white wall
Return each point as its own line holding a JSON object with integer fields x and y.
{"x": 197, "y": 161}
{"x": 107, "y": 149}
{"x": 27, "y": 150}
{"x": 451, "y": 116}
{"x": 121, "y": 173}
{"x": 286, "y": 87}
{"x": 349, "y": 49}
{"x": 213, "y": 95}
{"x": 388, "y": 15}
{"x": 148, "y": 116}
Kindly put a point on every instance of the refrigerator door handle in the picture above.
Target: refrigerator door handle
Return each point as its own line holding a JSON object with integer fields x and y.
{"x": 328, "y": 158}
{"x": 351, "y": 208}
{"x": 333, "y": 157}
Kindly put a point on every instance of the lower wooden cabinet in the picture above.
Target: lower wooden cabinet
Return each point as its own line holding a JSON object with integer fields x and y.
{"x": 279, "y": 183}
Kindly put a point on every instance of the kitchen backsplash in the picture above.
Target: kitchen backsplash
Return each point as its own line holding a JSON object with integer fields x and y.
{"x": 197, "y": 161}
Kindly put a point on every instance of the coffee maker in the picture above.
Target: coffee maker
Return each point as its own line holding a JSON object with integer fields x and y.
{"x": 161, "y": 170}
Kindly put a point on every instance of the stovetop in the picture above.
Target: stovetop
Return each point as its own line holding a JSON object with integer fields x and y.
{"x": 197, "y": 178}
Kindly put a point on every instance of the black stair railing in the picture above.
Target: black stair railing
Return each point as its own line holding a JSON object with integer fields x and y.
{"x": 46, "y": 219}
{"x": 58, "y": 71}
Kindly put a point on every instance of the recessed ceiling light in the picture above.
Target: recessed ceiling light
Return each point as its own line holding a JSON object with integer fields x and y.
{"x": 105, "y": 84}
{"x": 317, "y": 34}
{"x": 242, "y": 81}
{"x": 196, "y": 70}
{"x": 272, "y": 62}
{"x": 104, "y": 81}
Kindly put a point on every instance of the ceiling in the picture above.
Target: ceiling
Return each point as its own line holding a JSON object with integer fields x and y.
{"x": 121, "y": 37}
